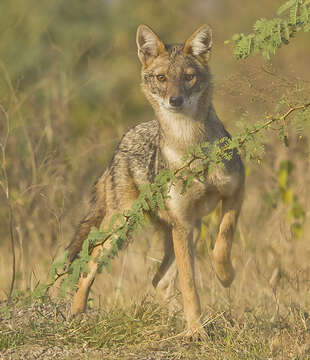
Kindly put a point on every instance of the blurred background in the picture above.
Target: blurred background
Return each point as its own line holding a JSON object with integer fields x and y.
{"x": 69, "y": 89}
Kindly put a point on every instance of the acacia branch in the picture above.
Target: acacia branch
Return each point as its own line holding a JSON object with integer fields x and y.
{"x": 129, "y": 221}
{"x": 271, "y": 121}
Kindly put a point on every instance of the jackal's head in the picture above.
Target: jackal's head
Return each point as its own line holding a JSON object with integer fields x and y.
{"x": 175, "y": 78}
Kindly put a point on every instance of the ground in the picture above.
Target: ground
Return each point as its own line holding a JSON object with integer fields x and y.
{"x": 42, "y": 329}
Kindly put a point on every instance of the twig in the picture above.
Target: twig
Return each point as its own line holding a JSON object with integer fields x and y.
{"x": 271, "y": 121}
{"x": 187, "y": 165}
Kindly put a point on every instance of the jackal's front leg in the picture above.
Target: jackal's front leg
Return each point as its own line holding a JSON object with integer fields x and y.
{"x": 222, "y": 261}
{"x": 184, "y": 253}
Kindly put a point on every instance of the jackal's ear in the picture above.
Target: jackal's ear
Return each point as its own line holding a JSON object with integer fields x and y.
{"x": 149, "y": 45}
{"x": 200, "y": 43}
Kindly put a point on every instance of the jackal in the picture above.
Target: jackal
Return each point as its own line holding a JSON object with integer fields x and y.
{"x": 177, "y": 82}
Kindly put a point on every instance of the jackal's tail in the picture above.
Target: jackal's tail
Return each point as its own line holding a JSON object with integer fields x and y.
{"x": 92, "y": 219}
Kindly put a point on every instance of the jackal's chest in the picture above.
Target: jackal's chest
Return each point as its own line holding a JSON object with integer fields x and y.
{"x": 223, "y": 179}
{"x": 203, "y": 194}
{"x": 192, "y": 204}
{"x": 173, "y": 157}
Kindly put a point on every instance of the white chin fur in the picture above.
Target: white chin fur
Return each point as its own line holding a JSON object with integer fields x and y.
{"x": 189, "y": 107}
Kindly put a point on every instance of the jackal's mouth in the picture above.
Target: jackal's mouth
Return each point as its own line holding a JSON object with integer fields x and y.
{"x": 175, "y": 109}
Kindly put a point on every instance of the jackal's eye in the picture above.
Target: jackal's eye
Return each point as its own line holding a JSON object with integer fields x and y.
{"x": 161, "y": 77}
{"x": 189, "y": 77}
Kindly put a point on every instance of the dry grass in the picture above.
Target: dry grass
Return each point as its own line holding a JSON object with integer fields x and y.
{"x": 145, "y": 330}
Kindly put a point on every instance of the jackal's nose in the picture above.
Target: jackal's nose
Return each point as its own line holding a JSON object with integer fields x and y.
{"x": 176, "y": 101}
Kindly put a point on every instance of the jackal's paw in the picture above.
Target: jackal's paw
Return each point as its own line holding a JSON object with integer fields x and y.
{"x": 224, "y": 271}
{"x": 195, "y": 333}
{"x": 78, "y": 317}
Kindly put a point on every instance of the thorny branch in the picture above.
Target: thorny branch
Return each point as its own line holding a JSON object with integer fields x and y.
{"x": 271, "y": 121}
{"x": 241, "y": 142}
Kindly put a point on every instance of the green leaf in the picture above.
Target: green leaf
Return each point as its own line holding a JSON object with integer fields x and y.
{"x": 286, "y": 6}
{"x": 297, "y": 211}
{"x": 293, "y": 13}
{"x": 95, "y": 236}
{"x": 187, "y": 183}
{"x": 236, "y": 37}
{"x": 297, "y": 230}
{"x": 282, "y": 178}
{"x": 287, "y": 166}
{"x": 40, "y": 291}
{"x": 304, "y": 15}
{"x": 287, "y": 196}
{"x": 58, "y": 266}
{"x": 285, "y": 32}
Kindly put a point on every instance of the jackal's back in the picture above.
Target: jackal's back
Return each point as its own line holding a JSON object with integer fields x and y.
{"x": 138, "y": 155}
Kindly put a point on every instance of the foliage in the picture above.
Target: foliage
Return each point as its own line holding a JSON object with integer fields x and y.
{"x": 152, "y": 196}
{"x": 269, "y": 35}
